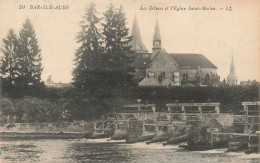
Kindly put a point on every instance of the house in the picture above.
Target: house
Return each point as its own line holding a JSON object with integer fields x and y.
{"x": 49, "y": 83}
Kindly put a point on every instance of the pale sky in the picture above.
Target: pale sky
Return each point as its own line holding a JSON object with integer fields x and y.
{"x": 216, "y": 34}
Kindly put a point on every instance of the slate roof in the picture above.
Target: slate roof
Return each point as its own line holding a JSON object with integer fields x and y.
{"x": 136, "y": 42}
{"x": 191, "y": 60}
{"x": 157, "y": 35}
{"x": 182, "y": 59}
{"x": 154, "y": 55}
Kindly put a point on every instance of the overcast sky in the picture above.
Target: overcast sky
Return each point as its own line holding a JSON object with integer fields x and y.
{"x": 216, "y": 34}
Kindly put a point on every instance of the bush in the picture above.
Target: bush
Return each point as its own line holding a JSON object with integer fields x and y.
{"x": 31, "y": 109}
{"x": 6, "y": 109}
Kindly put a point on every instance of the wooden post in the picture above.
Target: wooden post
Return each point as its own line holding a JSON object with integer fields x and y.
{"x": 211, "y": 140}
{"x": 245, "y": 117}
{"x": 143, "y": 126}
{"x": 168, "y": 117}
{"x": 139, "y": 107}
{"x": 217, "y": 109}
{"x": 153, "y": 108}
{"x": 95, "y": 125}
{"x": 169, "y": 109}
{"x": 157, "y": 128}
{"x": 199, "y": 109}
{"x": 183, "y": 109}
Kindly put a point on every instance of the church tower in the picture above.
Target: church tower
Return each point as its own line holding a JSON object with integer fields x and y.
{"x": 137, "y": 43}
{"x": 232, "y": 77}
{"x": 156, "y": 40}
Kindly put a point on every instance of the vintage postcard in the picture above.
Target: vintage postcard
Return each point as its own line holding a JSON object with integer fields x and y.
{"x": 129, "y": 81}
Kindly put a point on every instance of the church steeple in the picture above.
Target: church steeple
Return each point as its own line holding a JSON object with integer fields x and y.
{"x": 157, "y": 37}
{"x": 156, "y": 40}
{"x": 137, "y": 43}
{"x": 232, "y": 77}
{"x": 232, "y": 65}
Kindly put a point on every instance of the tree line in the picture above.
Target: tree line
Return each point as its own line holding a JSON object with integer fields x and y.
{"x": 103, "y": 60}
{"x": 21, "y": 66}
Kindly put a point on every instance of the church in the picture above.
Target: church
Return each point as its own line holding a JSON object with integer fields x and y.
{"x": 232, "y": 76}
{"x": 161, "y": 68}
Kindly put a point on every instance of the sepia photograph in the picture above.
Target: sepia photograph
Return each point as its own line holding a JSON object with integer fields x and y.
{"x": 130, "y": 81}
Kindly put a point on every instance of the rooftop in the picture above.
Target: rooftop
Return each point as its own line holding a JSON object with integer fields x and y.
{"x": 191, "y": 60}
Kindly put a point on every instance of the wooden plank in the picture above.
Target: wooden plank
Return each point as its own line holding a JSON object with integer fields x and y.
{"x": 234, "y": 134}
{"x": 192, "y": 104}
{"x": 251, "y": 103}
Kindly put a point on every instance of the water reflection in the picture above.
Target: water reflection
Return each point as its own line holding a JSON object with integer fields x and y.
{"x": 84, "y": 150}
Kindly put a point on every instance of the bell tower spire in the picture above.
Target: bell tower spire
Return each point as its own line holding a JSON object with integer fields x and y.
{"x": 157, "y": 37}
{"x": 232, "y": 77}
{"x": 156, "y": 40}
{"x": 232, "y": 65}
{"x": 137, "y": 43}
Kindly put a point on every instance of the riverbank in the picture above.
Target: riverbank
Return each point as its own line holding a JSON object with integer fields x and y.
{"x": 64, "y": 130}
{"x": 39, "y": 135}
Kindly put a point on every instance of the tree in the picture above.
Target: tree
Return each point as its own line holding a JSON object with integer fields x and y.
{"x": 103, "y": 59}
{"x": 87, "y": 56}
{"x": 30, "y": 66}
{"x": 9, "y": 63}
{"x": 6, "y": 110}
{"x": 117, "y": 47}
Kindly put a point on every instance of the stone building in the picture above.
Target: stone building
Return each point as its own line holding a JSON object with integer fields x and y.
{"x": 161, "y": 68}
{"x": 232, "y": 77}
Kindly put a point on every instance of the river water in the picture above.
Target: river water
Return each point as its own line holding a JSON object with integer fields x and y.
{"x": 101, "y": 150}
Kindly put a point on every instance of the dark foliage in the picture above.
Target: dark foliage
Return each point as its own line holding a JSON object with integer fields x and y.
{"x": 230, "y": 97}
{"x": 118, "y": 57}
{"x": 54, "y": 102}
{"x": 88, "y": 55}
{"x": 21, "y": 66}
{"x": 84, "y": 106}
{"x": 103, "y": 62}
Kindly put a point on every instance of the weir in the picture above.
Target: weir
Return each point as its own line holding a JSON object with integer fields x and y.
{"x": 178, "y": 119}
{"x": 141, "y": 122}
{"x": 174, "y": 124}
{"x": 119, "y": 122}
{"x": 249, "y": 138}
